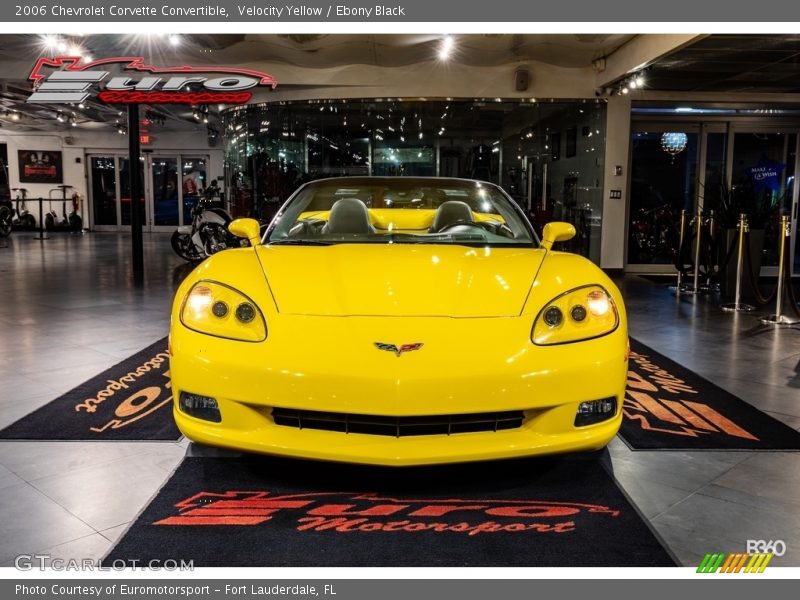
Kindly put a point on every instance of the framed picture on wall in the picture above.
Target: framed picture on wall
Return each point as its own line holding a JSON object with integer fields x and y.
{"x": 572, "y": 142}
{"x": 40, "y": 166}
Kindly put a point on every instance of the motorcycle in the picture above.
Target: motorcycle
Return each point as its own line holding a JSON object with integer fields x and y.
{"x": 654, "y": 235}
{"x": 6, "y": 217}
{"x": 207, "y": 235}
{"x": 72, "y": 222}
{"x": 22, "y": 218}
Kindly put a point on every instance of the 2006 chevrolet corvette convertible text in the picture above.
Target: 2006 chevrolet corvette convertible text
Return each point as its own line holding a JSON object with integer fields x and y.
{"x": 399, "y": 321}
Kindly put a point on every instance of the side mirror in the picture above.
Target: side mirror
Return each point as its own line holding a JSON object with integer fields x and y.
{"x": 557, "y": 231}
{"x": 249, "y": 229}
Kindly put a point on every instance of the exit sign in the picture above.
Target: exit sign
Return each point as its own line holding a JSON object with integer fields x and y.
{"x": 144, "y": 139}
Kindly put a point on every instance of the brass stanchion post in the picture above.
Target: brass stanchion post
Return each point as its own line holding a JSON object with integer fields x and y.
{"x": 695, "y": 288}
{"x": 712, "y": 232}
{"x": 779, "y": 318}
{"x": 737, "y": 303}
{"x": 678, "y": 263}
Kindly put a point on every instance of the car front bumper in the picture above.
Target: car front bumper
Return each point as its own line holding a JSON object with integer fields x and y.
{"x": 494, "y": 368}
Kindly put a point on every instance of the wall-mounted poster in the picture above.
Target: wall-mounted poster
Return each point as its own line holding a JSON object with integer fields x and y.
{"x": 40, "y": 166}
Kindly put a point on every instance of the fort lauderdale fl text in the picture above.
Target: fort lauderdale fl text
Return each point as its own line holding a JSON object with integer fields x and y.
{"x": 272, "y": 11}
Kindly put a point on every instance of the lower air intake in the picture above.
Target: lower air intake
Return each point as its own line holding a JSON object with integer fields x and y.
{"x": 398, "y": 426}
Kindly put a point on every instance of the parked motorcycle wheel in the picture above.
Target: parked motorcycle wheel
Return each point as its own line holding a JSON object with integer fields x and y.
{"x": 183, "y": 247}
{"x": 5, "y": 221}
{"x": 28, "y": 222}
{"x": 75, "y": 222}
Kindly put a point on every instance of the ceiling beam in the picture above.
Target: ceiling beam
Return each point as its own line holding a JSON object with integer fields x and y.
{"x": 637, "y": 53}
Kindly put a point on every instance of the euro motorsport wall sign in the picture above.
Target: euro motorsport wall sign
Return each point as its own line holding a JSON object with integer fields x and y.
{"x": 129, "y": 80}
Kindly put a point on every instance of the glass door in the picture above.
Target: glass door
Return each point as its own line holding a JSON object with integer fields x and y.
{"x": 104, "y": 191}
{"x": 665, "y": 160}
{"x": 125, "y": 200}
{"x": 163, "y": 193}
{"x": 194, "y": 179}
{"x": 110, "y": 195}
{"x": 166, "y": 201}
{"x": 762, "y": 186}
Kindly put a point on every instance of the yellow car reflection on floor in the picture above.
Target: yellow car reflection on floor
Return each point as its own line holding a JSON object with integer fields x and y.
{"x": 399, "y": 321}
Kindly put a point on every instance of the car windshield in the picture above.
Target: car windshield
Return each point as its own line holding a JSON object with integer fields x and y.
{"x": 400, "y": 210}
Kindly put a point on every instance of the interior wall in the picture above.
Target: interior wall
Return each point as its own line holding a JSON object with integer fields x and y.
{"x": 74, "y": 162}
{"x": 618, "y": 137}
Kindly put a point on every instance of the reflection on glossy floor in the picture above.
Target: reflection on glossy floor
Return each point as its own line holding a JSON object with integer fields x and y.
{"x": 70, "y": 311}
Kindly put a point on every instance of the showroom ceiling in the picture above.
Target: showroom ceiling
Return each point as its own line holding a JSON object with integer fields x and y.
{"x": 731, "y": 63}
{"x": 312, "y": 51}
{"x": 715, "y": 63}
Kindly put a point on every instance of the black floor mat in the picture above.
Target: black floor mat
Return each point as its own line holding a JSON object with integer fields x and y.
{"x": 668, "y": 407}
{"x": 263, "y": 511}
{"x": 130, "y": 401}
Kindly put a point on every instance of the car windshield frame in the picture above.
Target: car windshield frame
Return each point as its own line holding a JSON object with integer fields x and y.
{"x": 513, "y": 223}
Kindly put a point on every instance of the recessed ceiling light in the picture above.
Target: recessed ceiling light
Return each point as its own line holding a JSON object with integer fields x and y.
{"x": 446, "y": 48}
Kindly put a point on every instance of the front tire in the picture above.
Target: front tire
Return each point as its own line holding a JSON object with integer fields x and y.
{"x": 183, "y": 247}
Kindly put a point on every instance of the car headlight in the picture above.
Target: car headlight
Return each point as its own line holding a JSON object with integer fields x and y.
{"x": 581, "y": 314}
{"x": 217, "y": 309}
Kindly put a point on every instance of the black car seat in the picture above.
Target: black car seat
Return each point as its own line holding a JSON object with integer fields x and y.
{"x": 452, "y": 211}
{"x": 348, "y": 215}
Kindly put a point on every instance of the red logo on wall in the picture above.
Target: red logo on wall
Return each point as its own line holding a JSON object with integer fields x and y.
{"x": 136, "y": 82}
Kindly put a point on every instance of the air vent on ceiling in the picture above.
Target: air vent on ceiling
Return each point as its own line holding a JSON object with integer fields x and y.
{"x": 591, "y": 38}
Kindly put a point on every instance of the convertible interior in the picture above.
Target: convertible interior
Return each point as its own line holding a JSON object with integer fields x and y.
{"x": 426, "y": 217}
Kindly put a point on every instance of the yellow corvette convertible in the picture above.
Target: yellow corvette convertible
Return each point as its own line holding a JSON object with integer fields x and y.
{"x": 399, "y": 321}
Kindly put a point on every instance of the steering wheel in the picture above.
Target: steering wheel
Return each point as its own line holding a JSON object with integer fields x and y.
{"x": 307, "y": 227}
{"x": 461, "y": 222}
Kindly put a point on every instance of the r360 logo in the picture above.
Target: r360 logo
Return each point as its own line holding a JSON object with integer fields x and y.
{"x": 776, "y": 547}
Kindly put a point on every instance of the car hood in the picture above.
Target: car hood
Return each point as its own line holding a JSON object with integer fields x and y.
{"x": 400, "y": 279}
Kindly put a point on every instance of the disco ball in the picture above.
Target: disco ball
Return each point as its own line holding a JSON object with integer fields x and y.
{"x": 673, "y": 142}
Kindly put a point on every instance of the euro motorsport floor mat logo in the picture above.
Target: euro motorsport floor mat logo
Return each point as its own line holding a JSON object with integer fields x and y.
{"x": 345, "y": 513}
{"x": 143, "y": 394}
{"x": 660, "y": 401}
{"x": 65, "y": 79}
{"x": 130, "y": 401}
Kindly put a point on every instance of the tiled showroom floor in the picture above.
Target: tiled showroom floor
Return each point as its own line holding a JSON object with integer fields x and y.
{"x": 70, "y": 311}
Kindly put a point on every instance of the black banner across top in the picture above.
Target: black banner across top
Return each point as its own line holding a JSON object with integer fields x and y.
{"x": 406, "y": 11}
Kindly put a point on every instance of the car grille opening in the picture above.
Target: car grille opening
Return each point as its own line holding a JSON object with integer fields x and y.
{"x": 398, "y": 426}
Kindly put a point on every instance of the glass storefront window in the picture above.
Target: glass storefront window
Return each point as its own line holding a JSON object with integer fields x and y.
{"x": 547, "y": 156}
{"x": 663, "y": 183}
{"x": 761, "y": 183}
